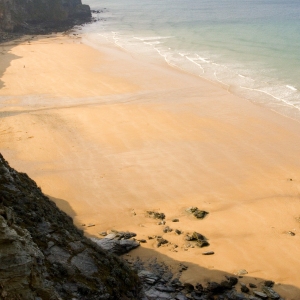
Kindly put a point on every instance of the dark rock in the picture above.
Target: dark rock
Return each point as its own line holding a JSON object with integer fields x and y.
{"x": 226, "y": 284}
{"x": 153, "y": 294}
{"x": 148, "y": 277}
{"x": 269, "y": 283}
{"x": 84, "y": 263}
{"x": 167, "y": 289}
{"x": 233, "y": 280}
{"x": 167, "y": 229}
{"x": 244, "y": 289}
{"x": 188, "y": 287}
{"x": 202, "y": 243}
{"x": 178, "y": 232}
{"x": 175, "y": 220}
{"x": 270, "y": 292}
{"x": 161, "y": 241}
{"x": 252, "y": 285}
{"x": 215, "y": 287}
{"x": 260, "y": 295}
{"x": 116, "y": 246}
{"x": 156, "y": 215}
{"x": 41, "y": 16}
{"x": 199, "y": 214}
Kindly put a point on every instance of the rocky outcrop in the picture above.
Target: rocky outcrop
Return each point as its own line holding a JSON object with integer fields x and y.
{"x": 22, "y": 268}
{"x": 44, "y": 255}
{"x": 41, "y": 15}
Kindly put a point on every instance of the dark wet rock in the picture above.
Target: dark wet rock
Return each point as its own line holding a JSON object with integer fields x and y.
{"x": 202, "y": 243}
{"x": 269, "y": 283}
{"x": 245, "y": 289}
{"x": 226, "y": 284}
{"x": 188, "y": 287}
{"x": 233, "y": 280}
{"x": 167, "y": 229}
{"x": 199, "y": 214}
{"x": 199, "y": 287}
{"x": 156, "y": 215}
{"x": 260, "y": 295}
{"x": 215, "y": 287}
{"x": 270, "y": 292}
{"x": 161, "y": 241}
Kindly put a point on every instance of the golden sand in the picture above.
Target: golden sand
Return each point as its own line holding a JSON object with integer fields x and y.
{"x": 108, "y": 137}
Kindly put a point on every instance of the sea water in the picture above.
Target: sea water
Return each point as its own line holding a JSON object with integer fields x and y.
{"x": 251, "y": 47}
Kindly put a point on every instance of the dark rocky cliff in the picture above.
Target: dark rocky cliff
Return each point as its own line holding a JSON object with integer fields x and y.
{"x": 24, "y": 15}
{"x": 44, "y": 256}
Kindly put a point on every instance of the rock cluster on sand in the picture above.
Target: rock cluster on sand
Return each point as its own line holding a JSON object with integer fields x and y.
{"x": 160, "y": 283}
{"x": 199, "y": 214}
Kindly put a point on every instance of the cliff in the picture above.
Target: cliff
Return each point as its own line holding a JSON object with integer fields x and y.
{"x": 41, "y": 15}
{"x": 44, "y": 255}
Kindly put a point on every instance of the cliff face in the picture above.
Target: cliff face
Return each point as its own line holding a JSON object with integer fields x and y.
{"x": 17, "y": 14}
{"x": 44, "y": 255}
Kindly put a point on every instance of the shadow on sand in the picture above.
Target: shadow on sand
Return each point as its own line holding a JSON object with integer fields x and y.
{"x": 6, "y": 57}
{"x": 195, "y": 273}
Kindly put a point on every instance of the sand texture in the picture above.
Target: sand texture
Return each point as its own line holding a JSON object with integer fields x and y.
{"x": 109, "y": 136}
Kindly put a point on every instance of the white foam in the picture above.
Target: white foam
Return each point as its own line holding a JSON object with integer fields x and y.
{"x": 291, "y": 87}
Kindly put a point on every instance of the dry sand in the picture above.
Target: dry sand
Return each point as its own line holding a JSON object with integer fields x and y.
{"x": 109, "y": 136}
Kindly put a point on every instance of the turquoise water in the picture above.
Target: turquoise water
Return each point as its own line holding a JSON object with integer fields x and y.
{"x": 251, "y": 47}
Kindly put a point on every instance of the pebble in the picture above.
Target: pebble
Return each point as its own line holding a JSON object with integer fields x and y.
{"x": 175, "y": 220}
{"x": 91, "y": 225}
{"x": 208, "y": 253}
{"x": 241, "y": 272}
{"x": 291, "y": 233}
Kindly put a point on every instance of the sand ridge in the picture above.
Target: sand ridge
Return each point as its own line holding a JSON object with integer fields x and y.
{"x": 107, "y": 145}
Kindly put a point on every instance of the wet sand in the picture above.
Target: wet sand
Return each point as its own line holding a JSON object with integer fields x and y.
{"x": 109, "y": 136}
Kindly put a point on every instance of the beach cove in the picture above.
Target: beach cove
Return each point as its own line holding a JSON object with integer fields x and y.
{"x": 109, "y": 136}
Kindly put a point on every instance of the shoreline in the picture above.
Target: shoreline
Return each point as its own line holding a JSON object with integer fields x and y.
{"x": 124, "y": 141}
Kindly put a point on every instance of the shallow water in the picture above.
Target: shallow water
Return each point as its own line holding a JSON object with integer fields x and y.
{"x": 251, "y": 47}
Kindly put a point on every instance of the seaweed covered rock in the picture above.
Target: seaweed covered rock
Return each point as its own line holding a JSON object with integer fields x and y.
{"x": 55, "y": 256}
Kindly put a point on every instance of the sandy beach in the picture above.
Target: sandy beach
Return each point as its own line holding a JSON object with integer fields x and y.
{"x": 109, "y": 136}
